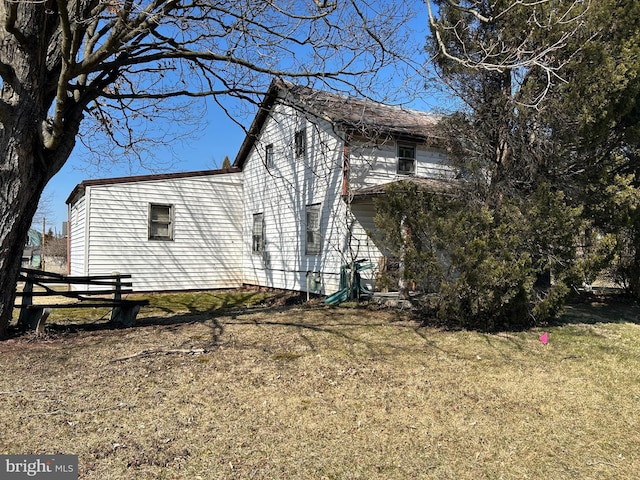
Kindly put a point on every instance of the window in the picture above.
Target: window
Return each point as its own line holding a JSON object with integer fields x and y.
{"x": 268, "y": 156}
{"x": 313, "y": 239}
{"x": 160, "y": 222}
{"x": 406, "y": 159}
{"x": 300, "y": 141}
{"x": 257, "y": 243}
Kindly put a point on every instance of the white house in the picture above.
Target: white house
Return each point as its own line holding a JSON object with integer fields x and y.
{"x": 169, "y": 232}
{"x": 296, "y": 206}
{"x": 311, "y": 161}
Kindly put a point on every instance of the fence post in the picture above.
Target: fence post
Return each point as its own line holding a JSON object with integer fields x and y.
{"x": 27, "y": 299}
{"x": 117, "y": 296}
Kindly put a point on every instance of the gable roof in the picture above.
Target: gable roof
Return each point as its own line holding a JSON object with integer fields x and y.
{"x": 355, "y": 116}
{"x": 79, "y": 189}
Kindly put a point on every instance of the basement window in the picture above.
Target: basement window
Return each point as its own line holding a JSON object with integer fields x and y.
{"x": 160, "y": 222}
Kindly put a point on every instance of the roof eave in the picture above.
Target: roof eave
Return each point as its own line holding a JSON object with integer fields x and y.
{"x": 258, "y": 122}
{"x": 79, "y": 189}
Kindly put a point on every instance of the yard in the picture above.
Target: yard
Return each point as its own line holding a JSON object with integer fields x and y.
{"x": 242, "y": 385}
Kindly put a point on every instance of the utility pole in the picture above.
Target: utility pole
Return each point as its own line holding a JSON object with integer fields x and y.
{"x": 42, "y": 245}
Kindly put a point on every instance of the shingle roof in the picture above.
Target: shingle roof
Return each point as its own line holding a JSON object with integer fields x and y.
{"x": 364, "y": 116}
{"x": 353, "y": 115}
{"x": 430, "y": 184}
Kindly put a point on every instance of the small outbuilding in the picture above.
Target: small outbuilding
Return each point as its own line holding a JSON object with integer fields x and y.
{"x": 177, "y": 231}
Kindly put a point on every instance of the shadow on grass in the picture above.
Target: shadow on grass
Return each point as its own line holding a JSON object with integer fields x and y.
{"x": 599, "y": 306}
{"x": 170, "y": 309}
{"x": 221, "y": 310}
{"x": 352, "y": 328}
{"x": 604, "y": 305}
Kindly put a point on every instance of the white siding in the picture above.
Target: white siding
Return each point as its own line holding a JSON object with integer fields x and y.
{"x": 77, "y": 240}
{"x": 375, "y": 165}
{"x": 213, "y": 214}
{"x": 204, "y": 252}
{"x": 281, "y": 194}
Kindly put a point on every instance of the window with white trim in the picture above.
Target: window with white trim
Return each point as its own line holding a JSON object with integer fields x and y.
{"x": 300, "y": 143}
{"x": 406, "y": 159}
{"x": 160, "y": 222}
{"x": 268, "y": 156}
{"x": 257, "y": 236}
{"x": 313, "y": 243}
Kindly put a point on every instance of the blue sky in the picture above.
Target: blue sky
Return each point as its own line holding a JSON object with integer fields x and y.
{"x": 219, "y": 136}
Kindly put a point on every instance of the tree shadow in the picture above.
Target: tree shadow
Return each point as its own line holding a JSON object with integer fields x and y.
{"x": 290, "y": 310}
{"x": 599, "y": 306}
{"x": 604, "y": 305}
{"x": 172, "y": 310}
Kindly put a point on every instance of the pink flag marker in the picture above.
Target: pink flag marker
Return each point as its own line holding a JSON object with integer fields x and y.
{"x": 544, "y": 338}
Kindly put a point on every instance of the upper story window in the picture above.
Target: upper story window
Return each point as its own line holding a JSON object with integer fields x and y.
{"x": 257, "y": 242}
{"x": 300, "y": 143}
{"x": 406, "y": 159}
{"x": 160, "y": 222}
{"x": 268, "y": 156}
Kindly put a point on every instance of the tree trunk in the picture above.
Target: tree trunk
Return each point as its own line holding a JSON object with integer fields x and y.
{"x": 21, "y": 185}
{"x": 30, "y": 76}
{"x": 24, "y": 172}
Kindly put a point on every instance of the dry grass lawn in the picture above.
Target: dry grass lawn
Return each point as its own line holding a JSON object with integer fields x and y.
{"x": 231, "y": 386}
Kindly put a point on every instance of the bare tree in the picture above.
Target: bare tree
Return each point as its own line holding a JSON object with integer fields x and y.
{"x": 76, "y": 67}
{"x": 459, "y": 30}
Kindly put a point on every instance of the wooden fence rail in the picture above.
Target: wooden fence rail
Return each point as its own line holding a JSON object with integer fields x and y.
{"x": 33, "y": 315}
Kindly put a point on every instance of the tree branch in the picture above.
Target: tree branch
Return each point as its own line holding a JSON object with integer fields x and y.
{"x": 147, "y": 353}
{"x": 10, "y": 22}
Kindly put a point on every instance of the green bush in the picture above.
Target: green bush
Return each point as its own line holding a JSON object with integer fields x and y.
{"x": 485, "y": 263}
